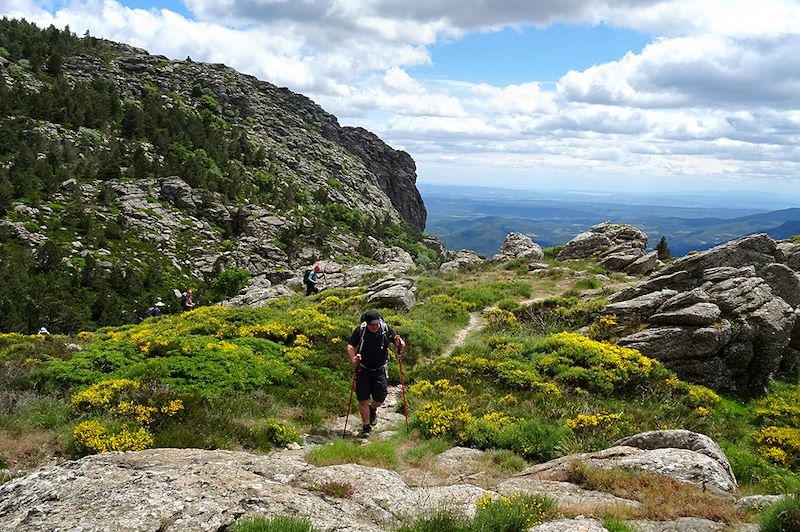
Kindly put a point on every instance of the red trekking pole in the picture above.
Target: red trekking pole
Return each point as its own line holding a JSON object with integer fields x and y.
{"x": 402, "y": 384}
{"x": 350, "y": 402}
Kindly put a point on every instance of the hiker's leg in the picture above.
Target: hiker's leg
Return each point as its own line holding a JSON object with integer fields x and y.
{"x": 363, "y": 409}
{"x": 363, "y": 389}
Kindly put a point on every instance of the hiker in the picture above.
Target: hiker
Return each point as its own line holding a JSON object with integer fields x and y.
{"x": 310, "y": 279}
{"x": 155, "y": 310}
{"x": 368, "y": 350}
{"x": 187, "y": 303}
{"x": 44, "y": 331}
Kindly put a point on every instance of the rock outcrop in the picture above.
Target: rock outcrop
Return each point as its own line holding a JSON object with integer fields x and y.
{"x": 619, "y": 247}
{"x": 725, "y": 318}
{"x": 392, "y": 292}
{"x": 462, "y": 261}
{"x": 519, "y": 246}
{"x": 192, "y": 489}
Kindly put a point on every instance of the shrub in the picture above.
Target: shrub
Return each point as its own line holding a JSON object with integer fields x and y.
{"x": 534, "y": 439}
{"x": 782, "y": 516}
{"x": 278, "y": 433}
{"x": 515, "y": 513}
{"x": 579, "y": 361}
{"x": 229, "y": 282}
{"x": 780, "y": 445}
{"x": 93, "y": 437}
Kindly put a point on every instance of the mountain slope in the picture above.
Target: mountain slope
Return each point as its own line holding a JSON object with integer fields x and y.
{"x": 124, "y": 175}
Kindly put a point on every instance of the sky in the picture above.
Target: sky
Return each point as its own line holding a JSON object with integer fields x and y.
{"x": 649, "y": 95}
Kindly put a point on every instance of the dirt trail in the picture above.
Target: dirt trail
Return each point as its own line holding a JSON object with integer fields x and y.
{"x": 475, "y": 322}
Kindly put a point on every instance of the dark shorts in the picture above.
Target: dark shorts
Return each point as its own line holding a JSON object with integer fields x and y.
{"x": 371, "y": 382}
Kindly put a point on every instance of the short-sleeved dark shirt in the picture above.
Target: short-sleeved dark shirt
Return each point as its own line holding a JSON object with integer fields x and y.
{"x": 375, "y": 351}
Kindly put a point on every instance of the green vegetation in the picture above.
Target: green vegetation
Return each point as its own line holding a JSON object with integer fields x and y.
{"x": 505, "y": 514}
{"x": 274, "y": 524}
{"x": 781, "y": 516}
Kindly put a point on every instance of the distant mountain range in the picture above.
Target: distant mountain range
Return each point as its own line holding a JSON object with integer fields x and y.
{"x": 479, "y": 218}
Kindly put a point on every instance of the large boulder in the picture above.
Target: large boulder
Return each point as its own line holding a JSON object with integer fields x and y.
{"x": 730, "y": 321}
{"x": 516, "y": 246}
{"x": 464, "y": 260}
{"x": 193, "y": 489}
{"x": 681, "y": 455}
{"x": 619, "y": 247}
{"x": 392, "y": 292}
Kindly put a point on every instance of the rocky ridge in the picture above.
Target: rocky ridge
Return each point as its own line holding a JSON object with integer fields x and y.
{"x": 726, "y": 318}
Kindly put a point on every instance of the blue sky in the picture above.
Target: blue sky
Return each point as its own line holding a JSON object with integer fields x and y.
{"x": 518, "y": 55}
{"x": 673, "y": 95}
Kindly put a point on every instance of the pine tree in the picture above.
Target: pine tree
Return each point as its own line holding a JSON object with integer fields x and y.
{"x": 663, "y": 249}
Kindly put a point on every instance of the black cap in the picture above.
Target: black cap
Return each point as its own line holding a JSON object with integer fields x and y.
{"x": 372, "y": 316}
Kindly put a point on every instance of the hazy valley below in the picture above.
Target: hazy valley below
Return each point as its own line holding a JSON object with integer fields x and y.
{"x": 479, "y": 218}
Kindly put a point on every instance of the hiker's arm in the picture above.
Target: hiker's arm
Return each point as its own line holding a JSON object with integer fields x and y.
{"x": 355, "y": 358}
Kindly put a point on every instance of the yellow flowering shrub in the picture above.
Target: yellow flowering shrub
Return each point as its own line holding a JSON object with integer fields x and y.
{"x": 576, "y": 360}
{"x": 128, "y": 400}
{"x": 603, "y": 327}
{"x": 330, "y": 304}
{"x": 700, "y": 396}
{"x": 507, "y": 400}
{"x": 518, "y": 511}
{"x": 312, "y": 322}
{"x": 773, "y": 439}
{"x": 597, "y": 423}
{"x": 301, "y": 340}
{"x": 271, "y": 331}
{"x": 296, "y": 355}
{"x": 101, "y": 394}
{"x": 781, "y": 407}
{"x": 92, "y": 437}
{"x": 498, "y": 318}
{"x": 84, "y": 336}
{"x": 444, "y": 418}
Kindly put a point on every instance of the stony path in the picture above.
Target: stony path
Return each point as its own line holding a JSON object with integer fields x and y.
{"x": 475, "y": 322}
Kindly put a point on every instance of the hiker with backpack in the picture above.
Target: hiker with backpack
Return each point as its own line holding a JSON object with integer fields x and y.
{"x": 368, "y": 350}
{"x": 187, "y": 301}
{"x": 310, "y": 279}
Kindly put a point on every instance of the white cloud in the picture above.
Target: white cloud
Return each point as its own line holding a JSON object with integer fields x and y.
{"x": 715, "y": 95}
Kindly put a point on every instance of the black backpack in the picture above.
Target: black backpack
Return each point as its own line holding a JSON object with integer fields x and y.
{"x": 307, "y": 276}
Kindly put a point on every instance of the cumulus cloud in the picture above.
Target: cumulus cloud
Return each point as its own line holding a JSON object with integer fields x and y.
{"x": 714, "y": 94}
{"x": 706, "y": 70}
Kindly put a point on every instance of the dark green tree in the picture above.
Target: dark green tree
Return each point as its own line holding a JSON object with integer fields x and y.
{"x": 663, "y": 249}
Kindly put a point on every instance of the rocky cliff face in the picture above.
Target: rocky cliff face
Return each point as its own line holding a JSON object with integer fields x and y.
{"x": 725, "y": 318}
{"x": 302, "y": 140}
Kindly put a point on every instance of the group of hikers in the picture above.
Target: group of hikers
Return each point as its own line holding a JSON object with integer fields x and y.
{"x": 187, "y": 303}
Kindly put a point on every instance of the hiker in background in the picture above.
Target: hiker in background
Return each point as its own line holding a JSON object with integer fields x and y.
{"x": 155, "y": 310}
{"x": 311, "y": 278}
{"x": 44, "y": 331}
{"x": 187, "y": 302}
{"x": 368, "y": 350}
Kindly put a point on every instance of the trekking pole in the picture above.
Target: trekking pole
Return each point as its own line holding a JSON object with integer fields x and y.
{"x": 350, "y": 402}
{"x": 402, "y": 384}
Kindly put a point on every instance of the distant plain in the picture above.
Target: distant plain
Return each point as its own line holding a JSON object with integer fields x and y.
{"x": 479, "y": 218}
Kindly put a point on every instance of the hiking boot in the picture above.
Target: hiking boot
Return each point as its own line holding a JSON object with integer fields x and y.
{"x": 373, "y": 416}
{"x": 365, "y": 430}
